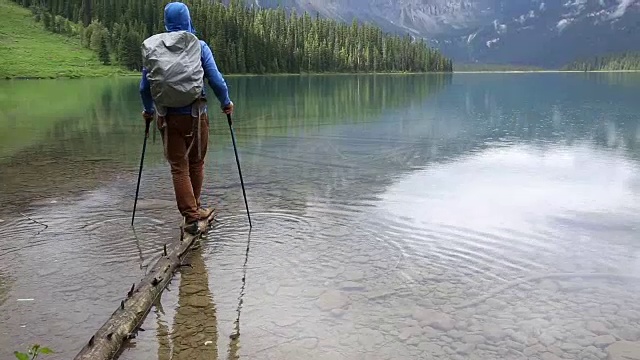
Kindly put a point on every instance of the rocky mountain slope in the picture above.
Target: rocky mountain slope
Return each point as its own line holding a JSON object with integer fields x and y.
{"x": 546, "y": 33}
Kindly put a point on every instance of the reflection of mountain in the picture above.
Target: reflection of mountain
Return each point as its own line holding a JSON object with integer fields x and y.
{"x": 412, "y": 126}
{"x": 472, "y": 113}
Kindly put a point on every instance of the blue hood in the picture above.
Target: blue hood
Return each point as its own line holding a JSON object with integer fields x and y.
{"x": 177, "y": 18}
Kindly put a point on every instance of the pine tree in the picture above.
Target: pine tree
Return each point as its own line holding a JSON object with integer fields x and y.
{"x": 103, "y": 51}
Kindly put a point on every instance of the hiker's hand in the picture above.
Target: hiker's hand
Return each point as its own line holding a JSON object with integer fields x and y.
{"x": 228, "y": 109}
{"x": 147, "y": 116}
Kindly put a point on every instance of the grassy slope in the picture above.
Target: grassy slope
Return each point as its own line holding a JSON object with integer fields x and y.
{"x": 30, "y": 51}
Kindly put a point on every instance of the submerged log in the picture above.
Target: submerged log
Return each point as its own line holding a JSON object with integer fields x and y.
{"x": 125, "y": 322}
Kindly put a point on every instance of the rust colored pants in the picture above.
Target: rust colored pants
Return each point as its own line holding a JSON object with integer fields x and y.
{"x": 187, "y": 169}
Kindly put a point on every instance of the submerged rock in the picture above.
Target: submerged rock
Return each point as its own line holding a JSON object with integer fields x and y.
{"x": 629, "y": 314}
{"x": 550, "y": 356}
{"x": 597, "y": 328}
{"x": 592, "y": 352}
{"x": 546, "y": 339}
{"x": 624, "y": 350}
{"x": 431, "y": 348}
{"x": 434, "y": 319}
{"x": 463, "y": 349}
{"x": 549, "y": 285}
{"x": 332, "y": 299}
{"x": 604, "y": 340}
{"x": 409, "y": 332}
{"x": 629, "y": 333}
{"x": 555, "y": 350}
{"x": 473, "y": 339}
{"x": 354, "y": 275}
{"x": 535, "y": 349}
{"x": 286, "y": 321}
{"x": 494, "y": 333}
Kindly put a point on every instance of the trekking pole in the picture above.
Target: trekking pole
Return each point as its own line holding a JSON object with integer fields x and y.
{"x": 144, "y": 148}
{"x": 233, "y": 138}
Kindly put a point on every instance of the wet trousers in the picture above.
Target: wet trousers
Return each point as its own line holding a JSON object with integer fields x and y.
{"x": 187, "y": 166}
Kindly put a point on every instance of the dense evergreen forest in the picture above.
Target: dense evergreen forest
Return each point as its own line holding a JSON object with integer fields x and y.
{"x": 243, "y": 39}
{"x": 625, "y": 61}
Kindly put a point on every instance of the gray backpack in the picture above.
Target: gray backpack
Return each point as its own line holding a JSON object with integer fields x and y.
{"x": 174, "y": 68}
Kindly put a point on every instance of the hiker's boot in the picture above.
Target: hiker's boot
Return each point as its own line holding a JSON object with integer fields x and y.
{"x": 195, "y": 227}
{"x": 205, "y": 213}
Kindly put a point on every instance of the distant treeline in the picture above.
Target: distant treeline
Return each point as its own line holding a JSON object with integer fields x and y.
{"x": 624, "y": 61}
{"x": 243, "y": 39}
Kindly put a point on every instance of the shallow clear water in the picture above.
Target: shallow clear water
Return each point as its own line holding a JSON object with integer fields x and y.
{"x": 480, "y": 216}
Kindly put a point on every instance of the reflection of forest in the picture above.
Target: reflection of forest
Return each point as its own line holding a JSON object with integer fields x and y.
{"x": 614, "y": 78}
{"x": 477, "y": 112}
{"x": 102, "y": 135}
{"x": 552, "y": 107}
{"x": 305, "y": 102}
{"x": 194, "y": 334}
{"x": 280, "y": 118}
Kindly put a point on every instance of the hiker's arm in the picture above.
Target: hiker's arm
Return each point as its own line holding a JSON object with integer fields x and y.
{"x": 145, "y": 92}
{"x": 216, "y": 81}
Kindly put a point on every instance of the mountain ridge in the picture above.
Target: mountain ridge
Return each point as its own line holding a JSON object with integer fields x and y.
{"x": 521, "y": 32}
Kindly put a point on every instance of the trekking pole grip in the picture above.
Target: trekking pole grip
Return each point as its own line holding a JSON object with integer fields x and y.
{"x": 147, "y": 125}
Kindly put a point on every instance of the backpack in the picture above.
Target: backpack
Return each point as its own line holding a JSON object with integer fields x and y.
{"x": 174, "y": 68}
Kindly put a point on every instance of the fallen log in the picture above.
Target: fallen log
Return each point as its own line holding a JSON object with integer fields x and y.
{"x": 125, "y": 322}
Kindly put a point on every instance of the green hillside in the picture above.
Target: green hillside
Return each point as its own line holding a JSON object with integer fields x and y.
{"x": 30, "y": 51}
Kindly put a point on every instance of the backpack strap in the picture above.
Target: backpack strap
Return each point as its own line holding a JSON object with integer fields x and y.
{"x": 197, "y": 109}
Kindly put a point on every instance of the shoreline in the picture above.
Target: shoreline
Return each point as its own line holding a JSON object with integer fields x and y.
{"x": 542, "y": 71}
{"x": 135, "y": 74}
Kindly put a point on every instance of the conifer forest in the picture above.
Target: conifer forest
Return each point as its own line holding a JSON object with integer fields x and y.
{"x": 611, "y": 62}
{"x": 244, "y": 39}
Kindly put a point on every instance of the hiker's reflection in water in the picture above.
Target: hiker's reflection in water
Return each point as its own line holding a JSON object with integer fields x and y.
{"x": 195, "y": 332}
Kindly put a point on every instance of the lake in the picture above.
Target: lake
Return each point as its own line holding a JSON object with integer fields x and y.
{"x": 464, "y": 216}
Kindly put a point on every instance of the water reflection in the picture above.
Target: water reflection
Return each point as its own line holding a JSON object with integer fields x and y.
{"x": 4, "y": 288}
{"x": 194, "y": 334}
{"x": 77, "y": 176}
{"x": 515, "y": 238}
{"x": 486, "y": 217}
{"x": 100, "y": 136}
{"x": 526, "y": 210}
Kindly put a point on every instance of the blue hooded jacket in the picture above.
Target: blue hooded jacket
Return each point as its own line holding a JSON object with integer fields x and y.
{"x": 177, "y": 18}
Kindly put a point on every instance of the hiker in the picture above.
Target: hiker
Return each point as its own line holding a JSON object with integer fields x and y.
{"x": 184, "y": 128}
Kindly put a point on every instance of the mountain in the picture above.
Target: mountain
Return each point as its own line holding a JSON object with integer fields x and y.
{"x": 548, "y": 33}
{"x": 418, "y": 17}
